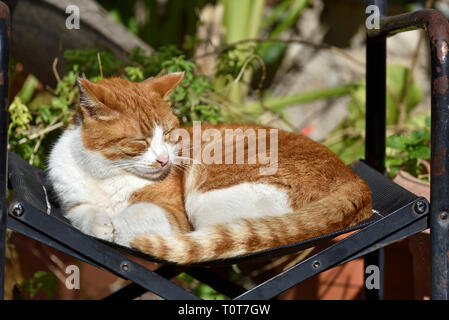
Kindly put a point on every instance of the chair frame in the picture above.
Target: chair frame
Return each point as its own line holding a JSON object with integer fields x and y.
{"x": 367, "y": 242}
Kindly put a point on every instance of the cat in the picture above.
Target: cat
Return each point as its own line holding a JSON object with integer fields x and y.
{"x": 117, "y": 175}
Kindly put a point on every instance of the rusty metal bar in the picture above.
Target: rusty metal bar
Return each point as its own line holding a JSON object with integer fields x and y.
{"x": 4, "y": 78}
{"x": 375, "y": 130}
{"x": 376, "y": 65}
{"x": 437, "y": 28}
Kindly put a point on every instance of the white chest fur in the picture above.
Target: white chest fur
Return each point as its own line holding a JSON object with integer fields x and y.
{"x": 82, "y": 176}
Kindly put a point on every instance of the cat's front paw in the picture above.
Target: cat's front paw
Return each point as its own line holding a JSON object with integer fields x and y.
{"x": 137, "y": 219}
{"x": 102, "y": 227}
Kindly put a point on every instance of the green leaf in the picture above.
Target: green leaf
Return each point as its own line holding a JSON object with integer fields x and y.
{"x": 271, "y": 52}
{"x": 418, "y": 136}
{"x": 41, "y": 281}
{"x": 396, "y": 142}
{"x": 134, "y": 73}
{"x": 420, "y": 152}
{"x": 392, "y": 171}
{"x": 393, "y": 162}
{"x": 19, "y": 116}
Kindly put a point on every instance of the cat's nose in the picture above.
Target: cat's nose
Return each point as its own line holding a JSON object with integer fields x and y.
{"x": 162, "y": 159}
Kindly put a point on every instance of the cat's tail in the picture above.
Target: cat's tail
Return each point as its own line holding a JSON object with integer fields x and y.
{"x": 349, "y": 205}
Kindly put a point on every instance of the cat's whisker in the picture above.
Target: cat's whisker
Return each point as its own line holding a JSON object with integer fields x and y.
{"x": 194, "y": 168}
{"x": 187, "y": 158}
{"x": 130, "y": 165}
{"x": 122, "y": 165}
{"x": 185, "y": 165}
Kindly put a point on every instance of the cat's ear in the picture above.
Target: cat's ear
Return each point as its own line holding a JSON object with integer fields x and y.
{"x": 91, "y": 107}
{"x": 164, "y": 85}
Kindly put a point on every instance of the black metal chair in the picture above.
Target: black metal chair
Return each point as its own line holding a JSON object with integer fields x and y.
{"x": 398, "y": 213}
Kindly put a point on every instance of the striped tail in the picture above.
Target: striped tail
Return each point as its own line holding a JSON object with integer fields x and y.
{"x": 348, "y": 206}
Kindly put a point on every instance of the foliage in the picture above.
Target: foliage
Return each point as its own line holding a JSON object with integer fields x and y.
{"x": 407, "y": 152}
{"x": 41, "y": 281}
{"x": 32, "y": 114}
{"x": 230, "y": 63}
{"x": 152, "y": 65}
{"x": 190, "y": 97}
{"x": 347, "y": 140}
{"x": 241, "y": 20}
{"x": 408, "y": 140}
{"x": 200, "y": 289}
{"x": 20, "y": 116}
{"x": 89, "y": 59}
{"x": 281, "y": 18}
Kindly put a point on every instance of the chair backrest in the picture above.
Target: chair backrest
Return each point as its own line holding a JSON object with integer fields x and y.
{"x": 437, "y": 28}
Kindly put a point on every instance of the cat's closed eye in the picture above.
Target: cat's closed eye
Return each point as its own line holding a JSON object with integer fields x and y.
{"x": 145, "y": 141}
{"x": 167, "y": 134}
{"x": 134, "y": 146}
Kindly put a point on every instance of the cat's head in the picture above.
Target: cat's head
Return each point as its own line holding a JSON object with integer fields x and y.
{"x": 130, "y": 123}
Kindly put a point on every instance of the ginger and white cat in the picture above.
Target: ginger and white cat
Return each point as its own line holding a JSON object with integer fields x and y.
{"x": 116, "y": 175}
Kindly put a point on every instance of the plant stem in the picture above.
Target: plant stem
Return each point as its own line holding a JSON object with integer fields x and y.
{"x": 295, "y": 10}
{"x": 41, "y": 133}
{"x": 242, "y": 20}
{"x": 224, "y": 48}
{"x": 29, "y": 87}
{"x": 277, "y": 104}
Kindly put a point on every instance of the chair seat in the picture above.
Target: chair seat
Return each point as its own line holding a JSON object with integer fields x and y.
{"x": 31, "y": 186}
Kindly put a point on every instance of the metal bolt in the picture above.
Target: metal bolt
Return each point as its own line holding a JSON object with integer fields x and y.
{"x": 444, "y": 215}
{"x": 316, "y": 264}
{"x": 124, "y": 266}
{"x": 17, "y": 209}
{"x": 420, "y": 207}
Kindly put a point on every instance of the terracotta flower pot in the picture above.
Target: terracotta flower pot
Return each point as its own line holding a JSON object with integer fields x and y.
{"x": 413, "y": 184}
